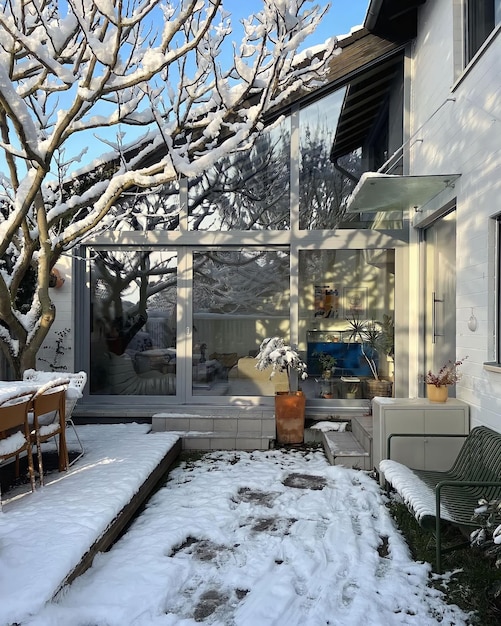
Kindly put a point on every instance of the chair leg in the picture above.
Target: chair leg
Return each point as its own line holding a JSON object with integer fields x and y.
{"x": 69, "y": 422}
{"x": 31, "y": 469}
{"x": 40, "y": 462}
{"x": 63, "y": 453}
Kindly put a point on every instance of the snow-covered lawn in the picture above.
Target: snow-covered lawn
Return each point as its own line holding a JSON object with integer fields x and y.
{"x": 256, "y": 539}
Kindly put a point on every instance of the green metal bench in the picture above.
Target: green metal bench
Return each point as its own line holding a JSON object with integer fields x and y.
{"x": 453, "y": 495}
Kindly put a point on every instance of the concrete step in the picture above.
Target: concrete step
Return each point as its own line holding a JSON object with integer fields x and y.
{"x": 353, "y": 448}
{"x": 344, "y": 449}
{"x": 221, "y": 440}
{"x": 250, "y": 430}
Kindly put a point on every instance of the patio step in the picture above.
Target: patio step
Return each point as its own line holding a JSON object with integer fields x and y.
{"x": 253, "y": 430}
{"x": 351, "y": 449}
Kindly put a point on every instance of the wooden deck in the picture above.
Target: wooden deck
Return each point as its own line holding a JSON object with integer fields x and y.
{"x": 123, "y": 519}
{"x": 94, "y": 501}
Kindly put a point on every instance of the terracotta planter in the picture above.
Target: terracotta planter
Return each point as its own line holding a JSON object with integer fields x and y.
{"x": 56, "y": 279}
{"x": 289, "y": 416}
{"x": 437, "y": 394}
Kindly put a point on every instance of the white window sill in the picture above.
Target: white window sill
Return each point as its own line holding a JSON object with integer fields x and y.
{"x": 493, "y": 367}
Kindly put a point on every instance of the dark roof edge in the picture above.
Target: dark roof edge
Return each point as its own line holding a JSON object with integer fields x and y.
{"x": 372, "y": 14}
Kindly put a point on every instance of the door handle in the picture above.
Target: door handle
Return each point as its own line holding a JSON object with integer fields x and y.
{"x": 434, "y": 333}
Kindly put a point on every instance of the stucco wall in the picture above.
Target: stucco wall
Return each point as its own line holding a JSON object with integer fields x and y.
{"x": 457, "y": 129}
{"x": 63, "y": 301}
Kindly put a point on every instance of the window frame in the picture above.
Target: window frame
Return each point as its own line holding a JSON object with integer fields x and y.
{"x": 481, "y": 18}
{"x": 497, "y": 295}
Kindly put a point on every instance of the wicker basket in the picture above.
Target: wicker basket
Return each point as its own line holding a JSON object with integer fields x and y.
{"x": 382, "y": 388}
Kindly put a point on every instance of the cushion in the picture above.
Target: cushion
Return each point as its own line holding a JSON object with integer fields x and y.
{"x": 246, "y": 369}
{"x": 227, "y": 359}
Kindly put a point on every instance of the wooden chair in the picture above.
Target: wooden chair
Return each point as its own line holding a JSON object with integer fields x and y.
{"x": 15, "y": 434}
{"x": 77, "y": 382}
{"x": 48, "y": 421}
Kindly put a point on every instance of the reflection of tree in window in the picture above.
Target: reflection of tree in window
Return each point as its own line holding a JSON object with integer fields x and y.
{"x": 241, "y": 282}
{"x": 150, "y": 209}
{"x": 248, "y": 190}
{"x": 324, "y": 189}
{"x": 125, "y": 283}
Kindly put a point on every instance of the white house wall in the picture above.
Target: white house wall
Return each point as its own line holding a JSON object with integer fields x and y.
{"x": 456, "y": 128}
{"x": 63, "y": 299}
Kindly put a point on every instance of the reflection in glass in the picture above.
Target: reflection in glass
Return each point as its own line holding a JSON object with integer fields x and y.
{"x": 239, "y": 298}
{"x": 144, "y": 210}
{"x": 346, "y": 317}
{"x": 248, "y": 190}
{"x": 133, "y": 322}
{"x": 324, "y": 185}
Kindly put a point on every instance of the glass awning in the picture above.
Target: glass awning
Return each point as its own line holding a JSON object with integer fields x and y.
{"x": 386, "y": 192}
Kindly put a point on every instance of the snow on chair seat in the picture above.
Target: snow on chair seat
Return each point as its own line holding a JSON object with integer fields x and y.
{"x": 77, "y": 382}
{"x": 416, "y": 494}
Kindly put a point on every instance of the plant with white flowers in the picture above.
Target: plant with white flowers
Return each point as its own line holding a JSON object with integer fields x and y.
{"x": 275, "y": 353}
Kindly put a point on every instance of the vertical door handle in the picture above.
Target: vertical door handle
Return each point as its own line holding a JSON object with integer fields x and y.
{"x": 434, "y": 333}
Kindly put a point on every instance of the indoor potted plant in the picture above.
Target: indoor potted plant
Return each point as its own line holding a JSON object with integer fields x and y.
{"x": 437, "y": 385}
{"x": 289, "y": 405}
{"x": 376, "y": 340}
{"x": 327, "y": 363}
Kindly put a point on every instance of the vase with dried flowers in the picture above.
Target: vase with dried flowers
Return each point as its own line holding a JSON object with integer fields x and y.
{"x": 437, "y": 384}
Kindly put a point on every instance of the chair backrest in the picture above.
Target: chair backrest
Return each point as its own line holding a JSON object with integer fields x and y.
{"x": 76, "y": 384}
{"x": 14, "y": 415}
{"x": 50, "y": 399}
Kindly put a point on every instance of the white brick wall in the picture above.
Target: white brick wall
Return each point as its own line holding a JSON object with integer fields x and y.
{"x": 463, "y": 137}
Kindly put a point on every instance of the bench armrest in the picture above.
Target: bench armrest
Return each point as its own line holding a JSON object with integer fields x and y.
{"x": 422, "y": 435}
{"x": 465, "y": 483}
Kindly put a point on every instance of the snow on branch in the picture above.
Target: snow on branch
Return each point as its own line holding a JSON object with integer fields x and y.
{"x": 75, "y": 71}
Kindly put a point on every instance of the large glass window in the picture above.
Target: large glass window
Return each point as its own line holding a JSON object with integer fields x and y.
{"x": 482, "y": 16}
{"x": 147, "y": 209}
{"x": 346, "y": 300}
{"x": 324, "y": 185}
{"x": 133, "y": 322}
{"x": 239, "y": 298}
{"x": 248, "y": 190}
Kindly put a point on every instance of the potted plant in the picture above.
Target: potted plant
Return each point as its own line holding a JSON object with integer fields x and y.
{"x": 289, "y": 405}
{"x": 376, "y": 341}
{"x": 327, "y": 363}
{"x": 437, "y": 385}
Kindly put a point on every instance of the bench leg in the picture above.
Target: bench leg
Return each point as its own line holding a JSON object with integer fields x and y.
{"x": 438, "y": 536}
{"x": 438, "y": 545}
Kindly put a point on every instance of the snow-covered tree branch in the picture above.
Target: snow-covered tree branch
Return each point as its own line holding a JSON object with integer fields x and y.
{"x": 73, "y": 68}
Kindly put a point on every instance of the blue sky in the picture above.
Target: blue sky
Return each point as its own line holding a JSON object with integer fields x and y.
{"x": 342, "y": 16}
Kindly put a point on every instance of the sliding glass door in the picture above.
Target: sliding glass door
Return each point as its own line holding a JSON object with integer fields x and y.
{"x": 184, "y": 325}
{"x": 240, "y": 296}
{"x": 346, "y": 323}
{"x": 133, "y": 322}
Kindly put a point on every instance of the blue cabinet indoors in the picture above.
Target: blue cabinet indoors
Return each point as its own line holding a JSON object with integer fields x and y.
{"x": 350, "y": 360}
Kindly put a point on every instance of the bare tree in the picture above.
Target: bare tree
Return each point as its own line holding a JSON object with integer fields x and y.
{"x": 69, "y": 70}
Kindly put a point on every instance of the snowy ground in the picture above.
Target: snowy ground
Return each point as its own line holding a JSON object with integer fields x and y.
{"x": 256, "y": 539}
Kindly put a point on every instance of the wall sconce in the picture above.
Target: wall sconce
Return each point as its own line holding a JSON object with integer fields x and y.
{"x": 56, "y": 279}
{"x": 472, "y": 322}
